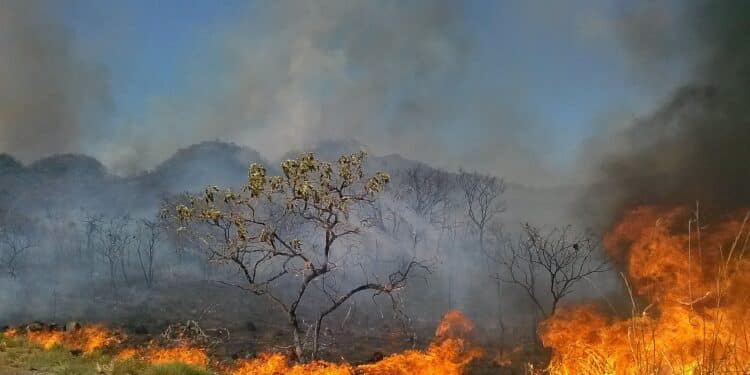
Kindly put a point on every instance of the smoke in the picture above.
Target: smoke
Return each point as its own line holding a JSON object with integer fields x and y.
{"x": 398, "y": 77}
{"x": 50, "y": 99}
{"x": 286, "y": 74}
{"x": 693, "y": 147}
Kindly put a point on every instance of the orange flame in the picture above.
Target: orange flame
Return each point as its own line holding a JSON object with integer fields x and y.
{"x": 10, "y": 333}
{"x": 695, "y": 286}
{"x": 126, "y": 354}
{"x": 277, "y": 363}
{"x": 87, "y": 339}
{"x": 448, "y": 354}
{"x": 181, "y": 354}
{"x": 45, "y": 339}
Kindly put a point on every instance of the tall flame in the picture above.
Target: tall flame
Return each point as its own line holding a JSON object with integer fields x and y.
{"x": 695, "y": 288}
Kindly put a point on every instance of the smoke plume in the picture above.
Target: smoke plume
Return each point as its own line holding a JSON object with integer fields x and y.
{"x": 50, "y": 100}
{"x": 694, "y": 147}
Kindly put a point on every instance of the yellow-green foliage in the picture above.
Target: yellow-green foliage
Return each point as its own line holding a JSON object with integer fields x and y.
{"x": 319, "y": 192}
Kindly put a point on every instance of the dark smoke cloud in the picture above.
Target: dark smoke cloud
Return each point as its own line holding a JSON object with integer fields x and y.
{"x": 696, "y": 146}
{"x": 50, "y": 99}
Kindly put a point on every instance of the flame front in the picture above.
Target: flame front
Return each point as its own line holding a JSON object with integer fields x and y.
{"x": 181, "y": 354}
{"x": 694, "y": 285}
{"x": 87, "y": 339}
{"x": 10, "y": 333}
{"x": 277, "y": 363}
{"x": 448, "y": 354}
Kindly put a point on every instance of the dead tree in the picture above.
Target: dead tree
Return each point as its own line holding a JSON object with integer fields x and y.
{"x": 148, "y": 241}
{"x": 16, "y": 238}
{"x": 549, "y": 266}
{"x": 92, "y": 226}
{"x": 290, "y": 232}
{"x": 483, "y": 194}
{"x": 425, "y": 190}
{"x": 114, "y": 238}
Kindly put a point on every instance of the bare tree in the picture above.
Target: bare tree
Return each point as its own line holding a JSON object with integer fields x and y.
{"x": 16, "y": 238}
{"x": 483, "y": 200}
{"x": 114, "y": 239}
{"x": 425, "y": 190}
{"x": 148, "y": 240}
{"x": 548, "y": 266}
{"x": 261, "y": 229}
{"x": 92, "y": 226}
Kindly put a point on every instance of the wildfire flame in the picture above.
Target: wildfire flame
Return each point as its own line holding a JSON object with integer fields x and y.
{"x": 10, "y": 333}
{"x": 127, "y": 354}
{"x": 448, "y": 354}
{"x": 694, "y": 284}
{"x": 277, "y": 363}
{"x": 86, "y": 339}
{"x": 181, "y": 354}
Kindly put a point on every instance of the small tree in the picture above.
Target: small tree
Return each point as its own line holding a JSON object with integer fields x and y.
{"x": 260, "y": 230}
{"x": 425, "y": 190}
{"x": 16, "y": 238}
{"x": 148, "y": 240}
{"x": 483, "y": 200}
{"x": 548, "y": 266}
{"x": 114, "y": 239}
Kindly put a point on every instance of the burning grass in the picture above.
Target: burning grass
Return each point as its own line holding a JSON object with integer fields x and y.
{"x": 191, "y": 356}
{"x": 86, "y": 339}
{"x": 695, "y": 288}
{"x": 449, "y": 353}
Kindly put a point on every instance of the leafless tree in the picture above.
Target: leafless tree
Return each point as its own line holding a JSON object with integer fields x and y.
{"x": 147, "y": 244}
{"x": 425, "y": 190}
{"x": 92, "y": 226}
{"x": 295, "y": 230}
{"x": 548, "y": 266}
{"x": 16, "y": 238}
{"x": 483, "y": 194}
{"x": 114, "y": 238}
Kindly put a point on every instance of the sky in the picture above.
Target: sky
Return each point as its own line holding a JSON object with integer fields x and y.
{"x": 514, "y": 88}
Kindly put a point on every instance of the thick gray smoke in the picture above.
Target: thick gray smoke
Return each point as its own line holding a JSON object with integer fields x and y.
{"x": 694, "y": 147}
{"x": 50, "y": 100}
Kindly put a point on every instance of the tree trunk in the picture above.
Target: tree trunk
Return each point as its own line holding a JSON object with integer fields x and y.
{"x": 298, "y": 350}
{"x": 500, "y": 313}
{"x": 316, "y": 339}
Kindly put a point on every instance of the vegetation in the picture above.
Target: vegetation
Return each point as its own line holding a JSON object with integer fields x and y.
{"x": 292, "y": 230}
{"x": 20, "y": 354}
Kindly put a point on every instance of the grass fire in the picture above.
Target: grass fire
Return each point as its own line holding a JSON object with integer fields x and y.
{"x": 449, "y": 353}
{"x": 374, "y": 187}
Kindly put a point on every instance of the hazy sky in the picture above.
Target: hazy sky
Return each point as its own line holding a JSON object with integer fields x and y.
{"x": 516, "y": 88}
